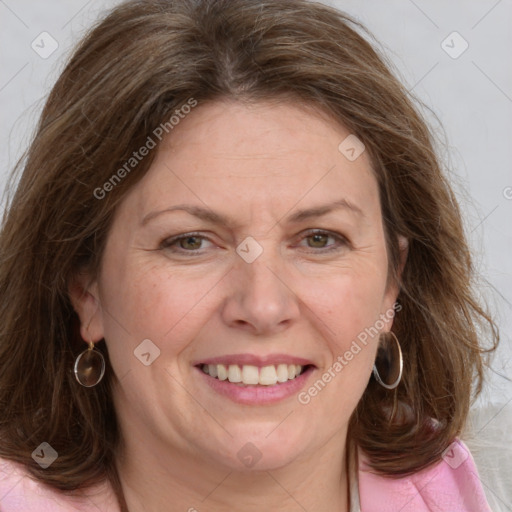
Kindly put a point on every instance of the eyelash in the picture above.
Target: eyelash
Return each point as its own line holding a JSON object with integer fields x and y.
{"x": 169, "y": 243}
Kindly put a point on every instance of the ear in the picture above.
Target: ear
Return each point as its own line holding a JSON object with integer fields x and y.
{"x": 84, "y": 296}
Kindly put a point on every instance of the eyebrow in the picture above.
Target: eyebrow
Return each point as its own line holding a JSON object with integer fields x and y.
{"x": 217, "y": 218}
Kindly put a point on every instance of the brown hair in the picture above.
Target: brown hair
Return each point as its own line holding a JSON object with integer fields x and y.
{"x": 134, "y": 69}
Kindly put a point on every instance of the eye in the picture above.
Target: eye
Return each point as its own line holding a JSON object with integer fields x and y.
{"x": 193, "y": 243}
{"x": 319, "y": 239}
{"x": 190, "y": 242}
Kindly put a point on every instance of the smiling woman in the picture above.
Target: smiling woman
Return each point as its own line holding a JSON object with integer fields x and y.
{"x": 272, "y": 308}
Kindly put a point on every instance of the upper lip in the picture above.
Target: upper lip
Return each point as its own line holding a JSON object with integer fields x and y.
{"x": 255, "y": 360}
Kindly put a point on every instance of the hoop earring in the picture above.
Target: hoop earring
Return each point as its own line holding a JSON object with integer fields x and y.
{"x": 390, "y": 369}
{"x": 89, "y": 367}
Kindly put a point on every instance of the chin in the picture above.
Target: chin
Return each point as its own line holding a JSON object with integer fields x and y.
{"x": 263, "y": 449}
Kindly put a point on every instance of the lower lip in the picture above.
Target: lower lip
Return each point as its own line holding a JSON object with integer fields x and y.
{"x": 257, "y": 395}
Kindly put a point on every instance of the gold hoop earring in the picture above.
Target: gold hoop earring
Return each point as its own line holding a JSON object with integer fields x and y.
{"x": 89, "y": 367}
{"x": 389, "y": 370}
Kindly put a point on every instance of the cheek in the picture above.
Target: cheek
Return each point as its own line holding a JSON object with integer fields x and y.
{"x": 149, "y": 301}
{"x": 346, "y": 309}
{"x": 347, "y": 304}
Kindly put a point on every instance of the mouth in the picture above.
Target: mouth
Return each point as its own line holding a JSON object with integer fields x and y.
{"x": 251, "y": 375}
{"x": 254, "y": 380}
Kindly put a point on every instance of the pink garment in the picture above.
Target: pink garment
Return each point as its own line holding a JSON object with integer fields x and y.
{"x": 20, "y": 493}
{"x": 452, "y": 485}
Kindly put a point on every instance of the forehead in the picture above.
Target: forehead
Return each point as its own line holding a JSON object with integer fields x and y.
{"x": 253, "y": 157}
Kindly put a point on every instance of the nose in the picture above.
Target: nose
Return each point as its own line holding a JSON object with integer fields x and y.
{"x": 260, "y": 299}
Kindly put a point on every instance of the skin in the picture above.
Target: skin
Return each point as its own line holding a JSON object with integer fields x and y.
{"x": 257, "y": 164}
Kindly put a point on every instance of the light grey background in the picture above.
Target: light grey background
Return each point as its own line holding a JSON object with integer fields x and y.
{"x": 471, "y": 95}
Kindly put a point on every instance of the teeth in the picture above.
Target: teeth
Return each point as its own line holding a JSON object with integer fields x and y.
{"x": 252, "y": 375}
{"x": 222, "y": 372}
{"x": 282, "y": 373}
{"x": 268, "y": 375}
{"x": 234, "y": 373}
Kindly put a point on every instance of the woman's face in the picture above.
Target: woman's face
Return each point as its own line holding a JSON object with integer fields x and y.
{"x": 213, "y": 258}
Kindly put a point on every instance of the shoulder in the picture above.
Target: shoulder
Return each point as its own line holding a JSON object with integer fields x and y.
{"x": 19, "y": 492}
{"x": 451, "y": 484}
